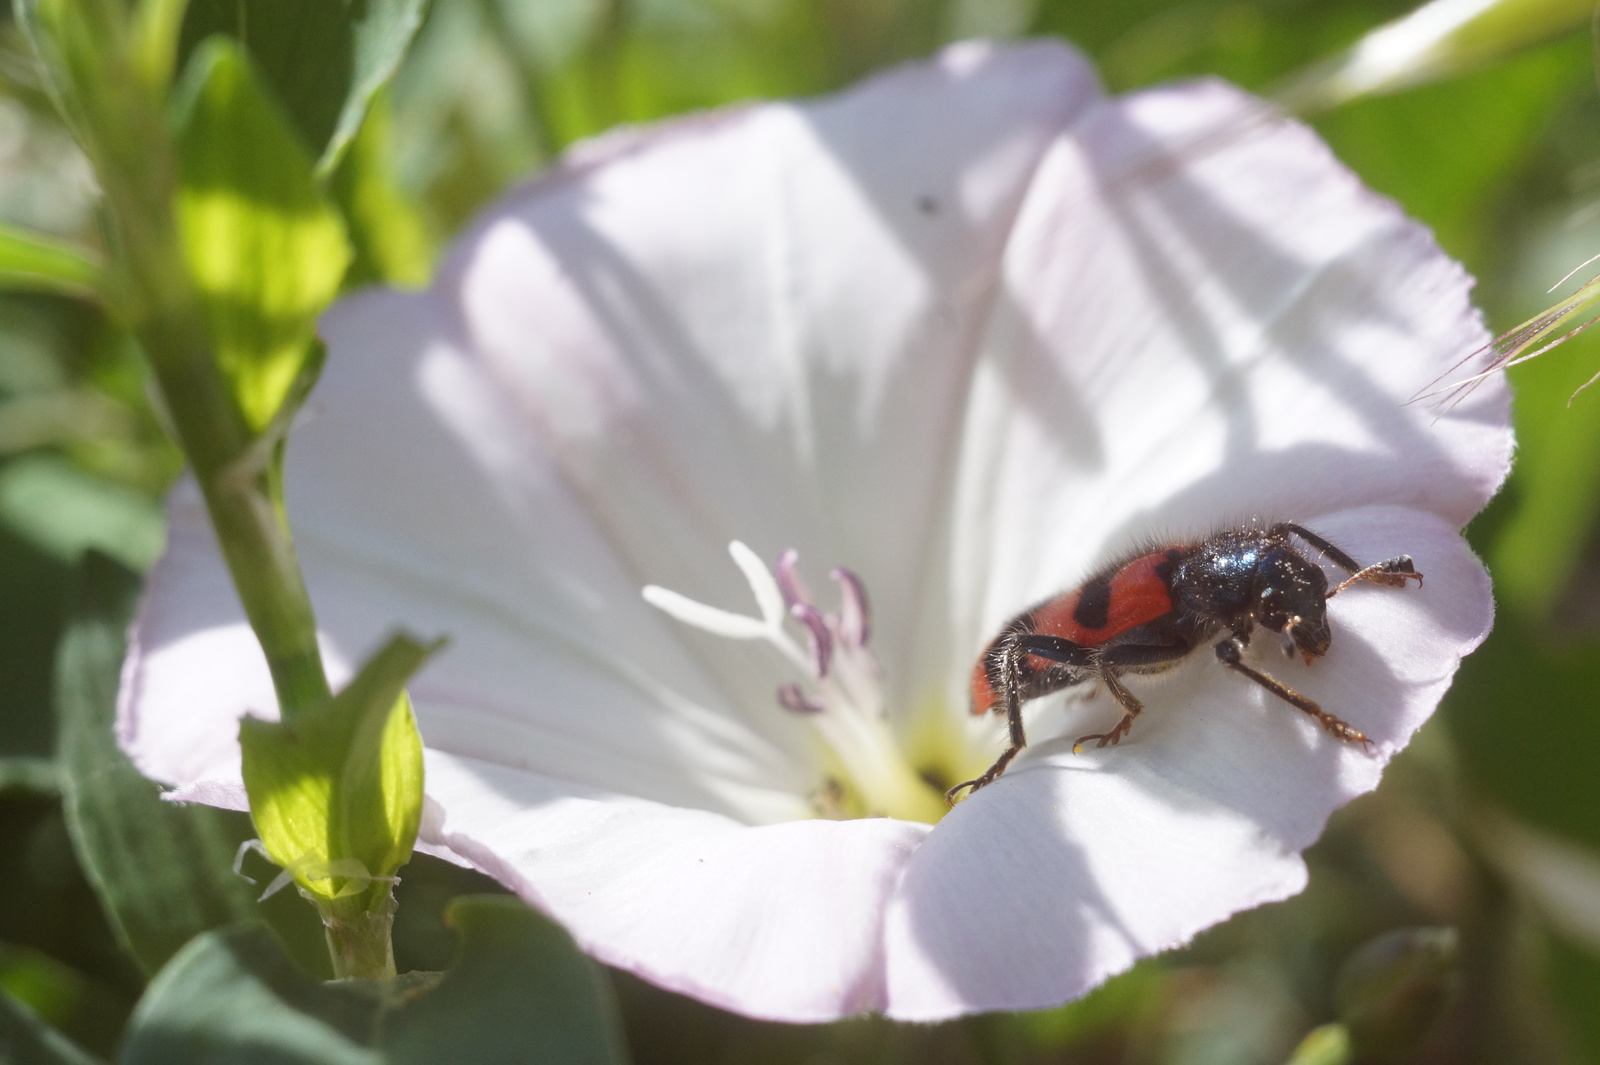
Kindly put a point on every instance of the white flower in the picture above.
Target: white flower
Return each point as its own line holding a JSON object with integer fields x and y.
{"x": 968, "y": 330}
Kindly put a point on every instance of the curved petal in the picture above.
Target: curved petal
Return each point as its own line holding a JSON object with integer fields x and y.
{"x": 781, "y": 921}
{"x": 1071, "y": 867}
{"x": 1206, "y": 318}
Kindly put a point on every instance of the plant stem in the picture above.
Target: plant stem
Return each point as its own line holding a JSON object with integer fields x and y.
{"x": 358, "y": 930}
{"x": 120, "y": 123}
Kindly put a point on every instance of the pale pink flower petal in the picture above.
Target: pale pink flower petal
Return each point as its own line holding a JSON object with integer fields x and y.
{"x": 1072, "y": 867}
{"x": 969, "y": 329}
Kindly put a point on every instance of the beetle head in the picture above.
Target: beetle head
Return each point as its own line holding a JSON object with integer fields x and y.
{"x": 1291, "y": 597}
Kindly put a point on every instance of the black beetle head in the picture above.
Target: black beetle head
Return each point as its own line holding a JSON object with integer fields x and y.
{"x": 1291, "y": 596}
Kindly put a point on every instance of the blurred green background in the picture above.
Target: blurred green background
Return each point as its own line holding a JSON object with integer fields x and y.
{"x": 1488, "y": 824}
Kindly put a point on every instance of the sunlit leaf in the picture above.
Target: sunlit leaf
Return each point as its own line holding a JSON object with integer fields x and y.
{"x": 1437, "y": 40}
{"x": 266, "y": 249}
{"x": 337, "y": 796}
{"x": 391, "y": 238}
{"x": 35, "y": 262}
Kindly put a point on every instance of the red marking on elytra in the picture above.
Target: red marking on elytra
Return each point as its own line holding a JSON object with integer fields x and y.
{"x": 1138, "y": 595}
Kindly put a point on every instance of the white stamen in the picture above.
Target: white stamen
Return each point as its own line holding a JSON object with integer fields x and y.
{"x": 769, "y": 597}
{"x": 712, "y": 619}
{"x": 846, "y": 705}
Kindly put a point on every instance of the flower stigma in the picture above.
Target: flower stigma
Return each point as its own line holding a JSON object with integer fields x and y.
{"x": 840, "y": 693}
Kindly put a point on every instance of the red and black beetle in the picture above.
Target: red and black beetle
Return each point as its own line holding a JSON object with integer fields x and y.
{"x": 1144, "y": 613}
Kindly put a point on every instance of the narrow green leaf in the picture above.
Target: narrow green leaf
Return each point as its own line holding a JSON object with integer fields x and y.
{"x": 337, "y": 794}
{"x": 1556, "y": 484}
{"x": 519, "y": 992}
{"x": 25, "y": 773}
{"x": 1438, "y": 40}
{"x": 163, "y": 872}
{"x": 387, "y": 228}
{"x": 27, "y": 1040}
{"x": 266, "y": 249}
{"x": 323, "y": 58}
{"x": 157, "y": 25}
{"x": 37, "y": 263}
{"x": 1327, "y": 1045}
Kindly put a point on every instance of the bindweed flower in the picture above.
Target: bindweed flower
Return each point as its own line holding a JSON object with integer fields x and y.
{"x": 954, "y": 337}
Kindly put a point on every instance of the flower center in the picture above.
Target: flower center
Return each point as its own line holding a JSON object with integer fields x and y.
{"x": 839, "y": 693}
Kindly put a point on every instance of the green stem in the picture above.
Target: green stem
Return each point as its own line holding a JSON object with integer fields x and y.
{"x": 358, "y": 930}
{"x": 120, "y": 122}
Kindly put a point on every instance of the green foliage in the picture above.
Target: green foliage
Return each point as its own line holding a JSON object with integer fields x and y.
{"x": 1437, "y": 41}
{"x": 39, "y": 263}
{"x": 337, "y": 793}
{"x": 519, "y": 992}
{"x": 265, "y": 247}
{"x": 1394, "y": 990}
{"x": 65, "y": 511}
{"x": 324, "y": 59}
{"x": 164, "y": 872}
{"x": 1473, "y": 133}
{"x": 1542, "y": 545}
{"x": 387, "y": 226}
{"x": 26, "y": 1040}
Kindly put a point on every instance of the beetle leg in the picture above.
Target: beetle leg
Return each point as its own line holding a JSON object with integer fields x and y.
{"x": 1391, "y": 572}
{"x": 1229, "y": 653}
{"x": 1011, "y": 656}
{"x": 1131, "y": 706}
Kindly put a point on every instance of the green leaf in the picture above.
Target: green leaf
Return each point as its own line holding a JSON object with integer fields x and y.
{"x": 1556, "y": 483}
{"x": 37, "y": 263}
{"x": 163, "y": 872}
{"x": 63, "y": 511}
{"x": 1326, "y": 1045}
{"x": 26, "y": 1040}
{"x": 1438, "y": 40}
{"x": 25, "y": 773}
{"x": 337, "y": 793}
{"x": 265, "y": 247}
{"x": 519, "y": 992}
{"x": 323, "y": 58}
{"x": 391, "y": 238}
{"x": 1394, "y": 990}
{"x": 232, "y": 995}
{"x": 1455, "y": 193}
{"x": 522, "y": 991}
